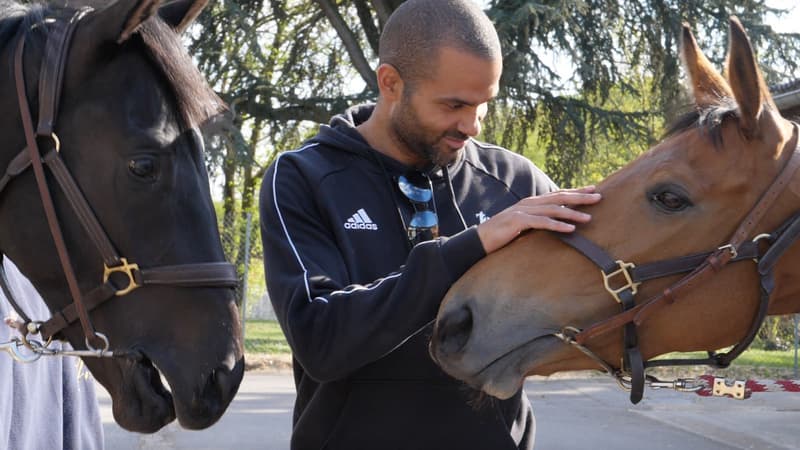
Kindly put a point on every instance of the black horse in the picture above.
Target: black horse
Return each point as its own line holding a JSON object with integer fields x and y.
{"x": 122, "y": 122}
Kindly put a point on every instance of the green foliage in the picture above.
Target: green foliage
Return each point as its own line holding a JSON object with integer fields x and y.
{"x": 777, "y": 333}
{"x": 602, "y": 46}
{"x": 283, "y": 64}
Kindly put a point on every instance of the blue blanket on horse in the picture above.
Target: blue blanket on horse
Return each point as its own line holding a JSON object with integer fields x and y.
{"x": 48, "y": 404}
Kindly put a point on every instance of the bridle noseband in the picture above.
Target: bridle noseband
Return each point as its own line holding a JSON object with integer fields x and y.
{"x": 621, "y": 280}
{"x": 120, "y": 277}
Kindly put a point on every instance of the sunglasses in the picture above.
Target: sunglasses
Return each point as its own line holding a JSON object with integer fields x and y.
{"x": 424, "y": 224}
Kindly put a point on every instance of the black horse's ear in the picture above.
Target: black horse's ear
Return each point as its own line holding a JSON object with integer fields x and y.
{"x": 181, "y": 13}
{"x": 117, "y": 21}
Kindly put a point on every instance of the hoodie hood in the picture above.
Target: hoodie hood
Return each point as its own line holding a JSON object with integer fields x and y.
{"x": 342, "y": 134}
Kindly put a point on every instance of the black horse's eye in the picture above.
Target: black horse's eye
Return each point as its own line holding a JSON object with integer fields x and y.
{"x": 669, "y": 200}
{"x": 145, "y": 167}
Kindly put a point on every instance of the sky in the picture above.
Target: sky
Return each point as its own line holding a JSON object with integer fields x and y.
{"x": 789, "y": 22}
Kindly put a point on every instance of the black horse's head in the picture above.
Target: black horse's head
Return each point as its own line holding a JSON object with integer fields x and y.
{"x": 130, "y": 103}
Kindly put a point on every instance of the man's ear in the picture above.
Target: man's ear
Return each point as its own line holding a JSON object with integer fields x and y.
{"x": 181, "y": 13}
{"x": 390, "y": 84}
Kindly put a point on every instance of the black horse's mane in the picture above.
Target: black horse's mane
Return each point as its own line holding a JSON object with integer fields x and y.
{"x": 195, "y": 99}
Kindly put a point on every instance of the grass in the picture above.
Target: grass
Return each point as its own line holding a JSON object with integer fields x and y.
{"x": 265, "y": 337}
{"x": 750, "y": 357}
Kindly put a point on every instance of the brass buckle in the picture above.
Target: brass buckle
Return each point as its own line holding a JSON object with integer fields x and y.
{"x": 629, "y": 284}
{"x": 125, "y": 268}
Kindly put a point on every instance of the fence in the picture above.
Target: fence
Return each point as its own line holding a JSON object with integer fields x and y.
{"x": 242, "y": 245}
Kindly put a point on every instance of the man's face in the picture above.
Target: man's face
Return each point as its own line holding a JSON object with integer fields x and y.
{"x": 435, "y": 117}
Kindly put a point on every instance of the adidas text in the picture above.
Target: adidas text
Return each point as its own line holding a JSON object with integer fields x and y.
{"x": 360, "y": 226}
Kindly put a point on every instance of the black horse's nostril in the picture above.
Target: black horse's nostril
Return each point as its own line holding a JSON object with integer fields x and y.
{"x": 454, "y": 330}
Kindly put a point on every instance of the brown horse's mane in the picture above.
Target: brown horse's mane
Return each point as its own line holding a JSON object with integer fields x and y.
{"x": 195, "y": 99}
{"x": 708, "y": 119}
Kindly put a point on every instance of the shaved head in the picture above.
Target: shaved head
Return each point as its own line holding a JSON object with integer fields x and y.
{"x": 417, "y": 30}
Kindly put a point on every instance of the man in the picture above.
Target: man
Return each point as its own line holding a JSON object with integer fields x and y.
{"x": 354, "y": 289}
{"x": 48, "y": 404}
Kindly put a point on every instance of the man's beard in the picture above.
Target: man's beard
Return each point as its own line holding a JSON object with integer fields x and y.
{"x": 408, "y": 129}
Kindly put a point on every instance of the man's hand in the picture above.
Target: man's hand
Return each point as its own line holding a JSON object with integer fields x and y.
{"x": 551, "y": 211}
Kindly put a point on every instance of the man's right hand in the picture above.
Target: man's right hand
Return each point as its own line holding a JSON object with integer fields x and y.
{"x": 552, "y": 211}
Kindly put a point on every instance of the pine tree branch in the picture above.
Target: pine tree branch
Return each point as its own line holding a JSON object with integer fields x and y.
{"x": 350, "y": 42}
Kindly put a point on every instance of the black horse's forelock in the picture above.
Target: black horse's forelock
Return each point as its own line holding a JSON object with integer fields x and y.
{"x": 195, "y": 99}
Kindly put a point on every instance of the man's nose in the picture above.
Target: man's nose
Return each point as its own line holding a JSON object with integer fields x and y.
{"x": 470, "y": 124}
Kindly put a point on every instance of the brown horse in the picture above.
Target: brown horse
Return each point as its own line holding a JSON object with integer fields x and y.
{"x": 517, "y": 311}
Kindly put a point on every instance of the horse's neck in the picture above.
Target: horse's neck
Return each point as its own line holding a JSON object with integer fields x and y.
{"x": 786, "y": 296}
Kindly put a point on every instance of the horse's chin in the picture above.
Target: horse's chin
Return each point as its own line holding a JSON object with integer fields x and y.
{"x": 503, "y": 377}
{"x": 146, "y": 405}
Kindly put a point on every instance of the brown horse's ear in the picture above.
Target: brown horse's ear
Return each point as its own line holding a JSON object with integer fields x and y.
{"x": 117, "y": 21}
{"x": 181, "y": 13}
{"x": 707, "y": 84}
{"x": 745, "y": 78}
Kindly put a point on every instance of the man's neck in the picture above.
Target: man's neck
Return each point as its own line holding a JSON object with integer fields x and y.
{"x": 375, "y": 131}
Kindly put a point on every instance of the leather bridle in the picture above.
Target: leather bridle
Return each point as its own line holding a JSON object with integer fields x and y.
{"x": 120, "y": 276}
{"x": 621, "y": 280}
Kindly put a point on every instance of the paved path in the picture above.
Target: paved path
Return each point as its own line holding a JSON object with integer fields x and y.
{"x": 571, "y": 413}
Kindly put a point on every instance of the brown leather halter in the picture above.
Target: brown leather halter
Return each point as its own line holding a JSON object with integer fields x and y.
{"x": 700, "y": 267}
{"x": 120, "y": 276}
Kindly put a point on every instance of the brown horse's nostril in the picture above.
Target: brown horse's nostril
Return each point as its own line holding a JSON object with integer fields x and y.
{"x": 454, "y": 330}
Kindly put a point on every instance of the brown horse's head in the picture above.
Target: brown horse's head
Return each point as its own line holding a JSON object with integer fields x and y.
{"x": 686, "y": 195}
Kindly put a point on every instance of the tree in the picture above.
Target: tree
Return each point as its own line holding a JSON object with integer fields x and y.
{"x": 283, "y": 62}
{"x": 605, "y": 44}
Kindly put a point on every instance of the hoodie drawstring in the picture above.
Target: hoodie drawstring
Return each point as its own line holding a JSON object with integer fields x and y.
{"x": 453, "y": 196}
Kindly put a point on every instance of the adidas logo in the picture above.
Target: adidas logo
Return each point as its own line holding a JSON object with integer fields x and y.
{"x": 360, "y": 221}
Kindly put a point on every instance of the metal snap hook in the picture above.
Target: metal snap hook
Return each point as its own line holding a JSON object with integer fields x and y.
{"x": 13, "y": 348}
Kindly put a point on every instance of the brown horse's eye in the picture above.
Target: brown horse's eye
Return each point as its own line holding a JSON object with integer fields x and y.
{"x": 144, "y": 167}
{"x": 670, "y": 201}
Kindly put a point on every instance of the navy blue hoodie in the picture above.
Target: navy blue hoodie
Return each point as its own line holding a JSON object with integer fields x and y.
{"x": 356, "y": 301}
